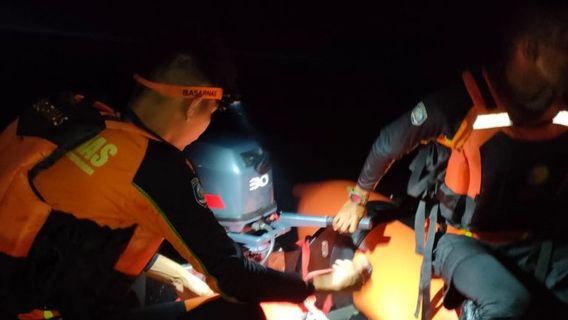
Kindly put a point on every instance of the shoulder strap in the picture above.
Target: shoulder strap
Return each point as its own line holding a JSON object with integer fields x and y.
{"x": 426, "y": 169}
{"x": 483, "y": 101}
{"x": 65, "y": 122}
{"x": 478, "y": 89}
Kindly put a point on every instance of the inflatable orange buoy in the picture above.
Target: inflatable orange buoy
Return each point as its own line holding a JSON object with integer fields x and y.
{"x": 392, "y": 291}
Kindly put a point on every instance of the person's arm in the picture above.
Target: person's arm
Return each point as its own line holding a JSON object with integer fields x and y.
{"x": 429, "y": 119}
{"x": 186, "y": 284}
{"x": 186, "y": 222}
{"x": 345, "y": 274}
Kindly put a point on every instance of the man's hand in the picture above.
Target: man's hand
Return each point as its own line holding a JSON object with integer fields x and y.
{"x": 347, "y": 219}
{"x": 346, "y": 276}
{"x": 186, "y": 284}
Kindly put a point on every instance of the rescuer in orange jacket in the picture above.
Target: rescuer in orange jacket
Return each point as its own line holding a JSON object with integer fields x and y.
{"x": 495, "y": 178}
{"x": 89, "y": 194}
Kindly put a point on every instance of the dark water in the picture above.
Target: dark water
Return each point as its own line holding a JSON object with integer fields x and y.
{"x": 319, "y": 81}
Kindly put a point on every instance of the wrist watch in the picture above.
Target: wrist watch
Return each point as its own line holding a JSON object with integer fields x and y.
{"x": 356, "y": 197}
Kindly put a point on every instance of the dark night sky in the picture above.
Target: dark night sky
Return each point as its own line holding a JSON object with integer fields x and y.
{"x": 319, "y": 79}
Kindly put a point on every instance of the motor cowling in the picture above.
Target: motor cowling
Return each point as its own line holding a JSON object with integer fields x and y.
{"x": 236, "y": 175}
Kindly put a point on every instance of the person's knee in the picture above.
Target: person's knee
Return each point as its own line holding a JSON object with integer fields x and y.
{"x": 508, "y": 305}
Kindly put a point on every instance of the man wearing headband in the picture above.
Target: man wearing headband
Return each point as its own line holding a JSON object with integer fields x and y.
{"x": 89, "y": 196}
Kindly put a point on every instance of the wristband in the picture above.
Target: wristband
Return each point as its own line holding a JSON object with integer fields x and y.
{"x": 356, "y": 197}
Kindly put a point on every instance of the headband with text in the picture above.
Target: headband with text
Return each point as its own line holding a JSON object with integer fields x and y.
{"x": 184, "y": 92}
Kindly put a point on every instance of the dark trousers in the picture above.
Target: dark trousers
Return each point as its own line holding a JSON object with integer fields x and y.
{"x": 500, "y": 280}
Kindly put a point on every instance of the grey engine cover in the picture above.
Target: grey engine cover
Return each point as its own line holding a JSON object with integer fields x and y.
{"x": 238, "y": 170}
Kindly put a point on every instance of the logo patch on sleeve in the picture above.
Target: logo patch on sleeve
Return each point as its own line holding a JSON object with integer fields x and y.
{"x": 418, "y": 115}
{"x": 198, "y": 192}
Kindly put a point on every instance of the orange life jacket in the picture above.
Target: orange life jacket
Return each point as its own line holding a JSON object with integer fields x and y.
{"x": 498, "y": 174}
{"x": 28, "y": 201}
{"x": 68, "y": 205}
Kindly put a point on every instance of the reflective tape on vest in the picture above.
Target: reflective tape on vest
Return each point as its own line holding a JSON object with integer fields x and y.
{"x": 490, "y": 121}
{"x": 561, "y": 118}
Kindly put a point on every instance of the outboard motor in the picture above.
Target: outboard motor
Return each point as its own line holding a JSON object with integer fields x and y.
{"x": 236, "y": 176}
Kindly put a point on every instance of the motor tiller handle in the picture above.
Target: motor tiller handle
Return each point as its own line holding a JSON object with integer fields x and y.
{"x": 292, "y": 219}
